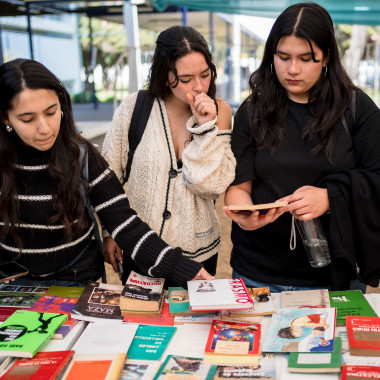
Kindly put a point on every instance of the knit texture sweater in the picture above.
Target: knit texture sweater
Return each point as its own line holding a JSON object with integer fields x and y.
{"x": 177, "y": 203}
{"x": 45, "y": 249}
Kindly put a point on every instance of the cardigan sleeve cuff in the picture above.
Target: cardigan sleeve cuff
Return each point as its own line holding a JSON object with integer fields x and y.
{"x": 196, "y": 129}
{"x": 185, "y": 270}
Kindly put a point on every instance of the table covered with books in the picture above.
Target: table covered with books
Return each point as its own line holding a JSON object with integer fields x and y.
{"x": 214, "y": 330}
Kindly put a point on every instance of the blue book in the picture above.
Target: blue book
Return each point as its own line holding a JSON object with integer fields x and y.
{"x": 301, "y": 330}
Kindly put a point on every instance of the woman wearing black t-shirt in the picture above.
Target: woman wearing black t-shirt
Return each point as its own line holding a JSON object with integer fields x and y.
{"x": 308, "y": 136}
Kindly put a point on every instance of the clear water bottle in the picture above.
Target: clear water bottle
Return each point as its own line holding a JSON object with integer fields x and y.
{"x": 314, "y": 241}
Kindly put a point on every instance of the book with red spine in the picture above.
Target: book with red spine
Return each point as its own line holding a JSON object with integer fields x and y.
{"x": 353, "y": 372}
{"x": 363, "y": 335}
{"x": 219, "y": 294}
{"x": 45, "y": 365}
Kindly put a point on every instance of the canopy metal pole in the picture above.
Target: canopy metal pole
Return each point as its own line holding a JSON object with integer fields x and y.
{"x": 211, "y": 27}
{"x": 235, "y": 54}
{"x": 29, "y": 28}
{"x": 1, "y": 47}
{"x": 131, "y": 23}
{"x": 184, "y": 16}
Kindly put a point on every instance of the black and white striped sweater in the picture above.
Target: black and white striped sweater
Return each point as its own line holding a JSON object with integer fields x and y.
{"x": 44, "y": 247}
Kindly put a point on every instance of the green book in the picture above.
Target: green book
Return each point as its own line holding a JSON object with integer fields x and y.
{"x": 65, "y": 291}
{"x": 25, "y": 332}
{"x": 178, "y": 300}
{"x": 150, "y": 342}
{"x": 176, "y": 366}
{"x": 316, "y": 361}
{"x": 350, "y": 302}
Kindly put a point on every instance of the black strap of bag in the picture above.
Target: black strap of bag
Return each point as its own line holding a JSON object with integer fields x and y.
{"x": 140, "y": 116}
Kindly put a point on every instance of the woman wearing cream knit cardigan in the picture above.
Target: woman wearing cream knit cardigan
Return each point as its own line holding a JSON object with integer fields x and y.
{"x": 184, "y": 160}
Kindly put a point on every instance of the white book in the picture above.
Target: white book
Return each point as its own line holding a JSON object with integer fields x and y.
{"x": 68, "y": 341}
{"x": 305, "y": 298}
{"x": 219, "y": 294}
{"x": 110, "y": 336}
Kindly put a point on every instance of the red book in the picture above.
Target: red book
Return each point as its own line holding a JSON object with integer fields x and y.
{"x": 233, "y": 338}
{"x": 45, "y": 365}
{"x": 363, "y": 335}
{"x": 5, "y": 312}
{"x": 164, "y": 320}
{"x": 353, "y": 372}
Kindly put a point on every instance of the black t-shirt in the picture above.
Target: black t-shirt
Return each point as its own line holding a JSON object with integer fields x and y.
{"x": 264, "y": 254}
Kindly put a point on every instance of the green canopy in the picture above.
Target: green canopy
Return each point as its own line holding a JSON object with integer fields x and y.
{"x": 366, "y": 12}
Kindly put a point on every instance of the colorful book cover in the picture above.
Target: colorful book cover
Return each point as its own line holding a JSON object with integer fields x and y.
{"x": 263, "y": 304}
{"x": 150, "y": 342}
{"x": 305, "y": 298}
{"x": 25, "y": 332}
{"x": 164, "y": 320}
{"x": 301, "y": 330}
{"x": 174, "y": 367}
{"x": 45, "y": 365}
{"x": 233, "y": 338}
{"x": 54, "y": 304}
{"x": 65, "y": 291}
{"x": 21, "y": 288}
{"x": 95, "y": 366}
{"x": 98, "y": 301}
{"x": 353, "y": 372}
{"x": 316, "y": 361}
{"x": 363, "y": 335}
{"x": 18, "y": 299}
{"x": 264, "y": 369}
{"x": 350, "y": 302}
{"x": 139, "y": 369}
{"x": 219, "y": 294}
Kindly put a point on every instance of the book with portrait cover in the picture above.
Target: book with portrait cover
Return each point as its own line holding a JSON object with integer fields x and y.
{"x": 219, "y": 294}
{"x": 301, "y": 330}
{"x": 98, "y": 301}
{"x": 313, "y": 362}
{"x": 350, "y": 302}
{"x": 44, "y": 365}
{"x": 356, "y": 372}
{"x": 25, "y": 332}
{"x": 363, "y": 335}
{"x": 175, "y": 366}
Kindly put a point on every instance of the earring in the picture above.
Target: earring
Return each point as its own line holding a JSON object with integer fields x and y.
{"x": 8, "y": 128}
{"x": 271, "y": 68}
{"x": 61, "y": 114}
{"x": 324, "y": 75}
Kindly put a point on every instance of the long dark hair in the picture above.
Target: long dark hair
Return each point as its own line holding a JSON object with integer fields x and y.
{"x": 63, "y": 166}
{"x": 172, "y": 44}
{"x": 328, "y": 98}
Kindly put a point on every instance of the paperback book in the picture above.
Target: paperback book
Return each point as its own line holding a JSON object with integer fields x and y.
{"x": 23, "y": 289}
{"x": 6, "y": 312}
{"x": 142, "y": 295}
{"x": 19, "y": 299}
{"x": 264, "y": 369}
{"x": 65, "y": 291}
{"x": 181, "y": 367}
{"x": 363, "y": 335}
{"x": 179, "y": 302}
{"x": 219, "y": 294}
{"x": 139, "y": 369}
{"x": 263, "y": 304}
{"x": 301, "y": 330}
{"x": 45, "y": 365}
{"x": 98, "y": 301}
{"x": 150, "y": 342}
{"x": 305, "y": 298}
{"x": 316, "y": 361}
{"x": 25, "y": 332}
{"x": 95, "y": 366}
{"x": 232, "y": 340}
{"x": 356, "y": 372}
{"x": 54, "y": 304}
{"x": 350, "y": 302}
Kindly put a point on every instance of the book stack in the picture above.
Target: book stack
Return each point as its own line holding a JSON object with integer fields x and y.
{"x": 142, "y": 296}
